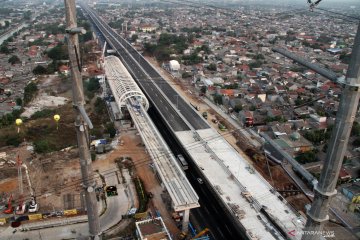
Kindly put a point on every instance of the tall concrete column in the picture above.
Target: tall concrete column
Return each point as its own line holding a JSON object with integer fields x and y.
{"x": 185, "y": 221}
{"x": 82, "y": 121}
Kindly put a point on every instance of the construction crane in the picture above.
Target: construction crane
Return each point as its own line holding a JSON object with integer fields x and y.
{"x": 20, "y": 209}
{"x": 33, "y": 205}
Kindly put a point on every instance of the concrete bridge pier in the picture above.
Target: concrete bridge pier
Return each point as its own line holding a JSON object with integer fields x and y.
{"x": 185, "y": 221}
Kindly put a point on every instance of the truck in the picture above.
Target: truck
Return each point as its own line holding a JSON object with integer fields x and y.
{"x": 205, "y": 115}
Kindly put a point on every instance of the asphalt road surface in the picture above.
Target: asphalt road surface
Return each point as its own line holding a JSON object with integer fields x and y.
{"x": 154, "y": 86}
{"x": 210, "y": 213}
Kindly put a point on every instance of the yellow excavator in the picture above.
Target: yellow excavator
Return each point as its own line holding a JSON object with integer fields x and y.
{"x": 203, "y": 232}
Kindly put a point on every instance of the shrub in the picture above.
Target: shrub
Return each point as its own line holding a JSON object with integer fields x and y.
{"x": 14, "y": 140}
{"x": 42, "y": 146}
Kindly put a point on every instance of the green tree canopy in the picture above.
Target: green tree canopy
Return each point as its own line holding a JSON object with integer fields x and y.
{"x": 110, "y": 129}
{"x": 14, "y": 59}
{"x": 18, "y": 101}
{"x": 306, "y": 157}
{"x": 218, "y": 99}
{"x": 39, "y": 70}
{"x": 42, "y": 146}
{"x": 27, "y": 15}
{"x": 238, "y": 108}
{"x": 58, "y": 53}
{"x": 134, "y": 37}
{"x": 355, "y": 131}
{"x": 4, "y": 49}
{"x": 29, "y": 92}
{"x": 93, "y": 85}
{"x": 212, "y": 67}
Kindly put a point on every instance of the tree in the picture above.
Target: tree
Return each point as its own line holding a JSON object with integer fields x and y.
{"x": 4, "y": 49}
{"x": 238, "y": 108}
{"x": 205, "y": 48}
{"x": 306, "y": 157}
{"x": 259, "y": 56}
{"x": 116, "y": 24}
{"x": 41, "y": 146}
{"x": 317, "y": 136}
{"x": 93, "y": 85}
{"x": 134, "y": 37}
{"x": 58, "y": 53}
{"x": 19, "y": 101}
{"x": 212, "y": 67}
{"x": 203, "y": 89}
{"x": 14, "y": 140}
{"x": 345, "y": 57}
{"x": 110, "y": 129}
{"x": 255, "y": 64}
{"x": 39, "y": 70}
{"x": 355, "y": 131}
{"x": 100, "y": 106}
{"x": 218, "y": 99}
{"x": 27, "y": 15}
{"x": 14, "y": 59}
{"x": 356, "y": 142}
{"x": 29, "y": 92}
{"x": 192, "y": 59}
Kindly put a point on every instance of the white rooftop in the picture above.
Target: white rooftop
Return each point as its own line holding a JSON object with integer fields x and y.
{"x": 226, "y": 173}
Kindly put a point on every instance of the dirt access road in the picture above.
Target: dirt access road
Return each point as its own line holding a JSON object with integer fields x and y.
{"x": 133, "y": 148}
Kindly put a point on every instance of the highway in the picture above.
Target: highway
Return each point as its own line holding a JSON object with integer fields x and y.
{"x": 210, "y": 213}
{"x": 159, "y": 92}
{"x": 185, "y": 125}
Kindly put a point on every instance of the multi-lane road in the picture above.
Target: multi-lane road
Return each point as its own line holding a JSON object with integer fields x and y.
{"x": 155, "y": 87}
{"x": 160, "y": 93}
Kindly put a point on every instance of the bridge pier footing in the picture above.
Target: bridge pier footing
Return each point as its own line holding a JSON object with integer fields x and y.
{"x": 185, "y": 221}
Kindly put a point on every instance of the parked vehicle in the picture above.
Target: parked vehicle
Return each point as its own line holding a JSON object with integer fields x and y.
{"x": 205, "y": 115}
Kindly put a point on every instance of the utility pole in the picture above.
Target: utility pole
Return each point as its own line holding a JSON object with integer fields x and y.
{"x": 82, "y": 121}
{"x": 325, "y": 189}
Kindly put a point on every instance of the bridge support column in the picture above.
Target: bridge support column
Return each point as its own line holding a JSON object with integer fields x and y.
{"x": 185, "y": 221}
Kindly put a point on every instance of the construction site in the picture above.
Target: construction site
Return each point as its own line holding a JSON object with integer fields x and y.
{"x": 141, "y": 187}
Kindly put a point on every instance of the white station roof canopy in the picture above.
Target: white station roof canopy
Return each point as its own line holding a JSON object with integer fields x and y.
{"x": 121, "y": 82}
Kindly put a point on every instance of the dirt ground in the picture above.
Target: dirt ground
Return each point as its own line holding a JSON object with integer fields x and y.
{"x": 133, "y": 148}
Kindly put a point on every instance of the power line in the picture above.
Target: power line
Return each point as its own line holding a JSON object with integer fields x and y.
{"x": 140, "y": 162}
{"x": 341, "y": 14}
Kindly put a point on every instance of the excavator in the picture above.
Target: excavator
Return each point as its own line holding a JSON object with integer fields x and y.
{"x": 9, "y": 209}
{"x": 197, "y": 236}
{"x": 202, "y": 233}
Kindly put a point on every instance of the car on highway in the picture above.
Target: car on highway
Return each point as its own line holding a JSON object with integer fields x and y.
{"x": 200, "y": 180}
